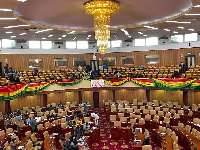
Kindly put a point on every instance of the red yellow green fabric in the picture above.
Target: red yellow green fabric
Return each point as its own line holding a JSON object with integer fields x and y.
{"x": 115, "y": 82}
{"x": 37, "y": 87}
{"x": 69, "y": 82}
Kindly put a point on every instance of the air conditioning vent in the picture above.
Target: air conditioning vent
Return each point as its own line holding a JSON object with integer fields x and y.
{"x": 163, "y": 38}
{"x": 58, "y": 42}
{"x": 128, "y": 40}
{"x": 21, "y": 41}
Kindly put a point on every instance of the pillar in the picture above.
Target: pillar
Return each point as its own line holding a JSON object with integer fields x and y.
{"x": 7, "y": 107}
{"x": 113, "y": 91}
{"x": 80, "y": 96}
{"x": 185, "y": 98}
{"x": 44, "y": 100}
{"x": 148, "y": 95}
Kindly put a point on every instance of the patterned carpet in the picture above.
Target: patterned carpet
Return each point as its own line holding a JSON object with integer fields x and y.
{"x": 105, "y": 141}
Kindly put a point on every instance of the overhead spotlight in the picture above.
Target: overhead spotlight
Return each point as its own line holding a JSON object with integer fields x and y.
{"x": 58, "y": 46}
{"x": 97, "y": 50}
{"x": 127, "y": 45}
{"x": 22, "y": 47}
{"x": 189, "y": 44}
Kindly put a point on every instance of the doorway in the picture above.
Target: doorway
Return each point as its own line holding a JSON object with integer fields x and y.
{"x": 190, "y": 61}
{"x": 96, "y": 99}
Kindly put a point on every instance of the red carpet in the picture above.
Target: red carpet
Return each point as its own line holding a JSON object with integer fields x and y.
{"x": 105, "y": 142}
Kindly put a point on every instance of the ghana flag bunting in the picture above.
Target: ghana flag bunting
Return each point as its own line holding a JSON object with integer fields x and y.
{"x": 69, "y": 82}
{"x": 11, "y": 92}
{"x": 37, "y": 87}
{"x": 115, "y": 82}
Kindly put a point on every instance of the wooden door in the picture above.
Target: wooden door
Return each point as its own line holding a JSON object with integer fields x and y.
{"x": 96, "y": 99}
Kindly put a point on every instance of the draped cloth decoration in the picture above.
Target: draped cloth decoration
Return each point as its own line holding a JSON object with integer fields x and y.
{"x": 37, "y": 87}
{"x": 169, "y": 84}
{"x": 11, "y": 92}
{"x": 69, "y": 82}
{"x": 147, "y": 83}
{"x": 115, "y": 82}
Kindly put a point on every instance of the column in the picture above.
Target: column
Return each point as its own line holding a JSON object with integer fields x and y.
{"x": 148, "y": 95}
{"x": 44, "y": 100}
{"x": 185, "y": 98}
{"x": 113, "y": 91}
{"x": 80, "y": 96}
{"x": 7, "y": 106}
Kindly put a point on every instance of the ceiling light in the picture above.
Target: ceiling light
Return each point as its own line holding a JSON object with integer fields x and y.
{"x": 44, "y": 38}
{"x": 12, "y": 36}
{"x": 8, "y": 18}
{"x": 180, "y": 27}
{"x": 89, "y": 35}
{"x": 184, "y": 22}
{"x": 50, "y": 35}
{"x": 64, "y": 36}
{"x": 191, "y": 29}
{"x": 175, "y": 32}
{"x": 140, "y": 32}
{"x": 197, "y": 6}
{"x": 101, "y": 9}
{"x": 24, "y": 25}
{"x": 49, "y": 29}
{"x": 144, "y": 35}
{"x": 192, "y": 14}
{"x": 59, "y": 38}
{"x": 71, "y": 32}
{"x": 74, "y": 38}
{"x": 21, "y": 0}
{"x": 5, "y": 9}
{"x": 8, "y": 32}
{"x": 129, "y": 36}
{"x": 171, "y": 21}
{"x": 166, "y": 29}
{"x": 88, "y": 38}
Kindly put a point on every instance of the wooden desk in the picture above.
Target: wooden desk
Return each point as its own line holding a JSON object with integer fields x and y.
{"x": 49, "y": 143}
{"x": 138, "y": 145}
{"x": 94, "y": 134}
{"x": 161, "y": 140}
{"x": 184, "y": 138}
{"x": 121, "y": 133}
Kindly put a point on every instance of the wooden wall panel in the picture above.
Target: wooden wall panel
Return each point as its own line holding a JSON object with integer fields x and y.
{"x": 71, "y": 97}
{"x": 161, "y": 95}
{"x": 87, "y": 96}
{"x": 56, "y": 98}
{"x": 26, "y": 101}
{"x": 105, "y": 95}
{"x": 196, "y": 98}
{"x": 2, "y": 106}
{"x": 166, "y": 57}
{"x": 130, "y": 95}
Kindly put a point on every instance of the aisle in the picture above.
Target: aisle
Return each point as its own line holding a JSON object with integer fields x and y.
{"x": 105, "y": 142}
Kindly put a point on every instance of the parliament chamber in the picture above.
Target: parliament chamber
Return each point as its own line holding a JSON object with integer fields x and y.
{"x": 99, "y": 75}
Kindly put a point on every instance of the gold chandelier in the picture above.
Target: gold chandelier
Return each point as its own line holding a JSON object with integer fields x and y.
{"x": 102, "y": 9}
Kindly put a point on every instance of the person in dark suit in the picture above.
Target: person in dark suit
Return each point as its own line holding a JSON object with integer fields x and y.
{"x": 33, "y": 124}
{"x": 182, "y": 65}
{"x": 78, "y": 131}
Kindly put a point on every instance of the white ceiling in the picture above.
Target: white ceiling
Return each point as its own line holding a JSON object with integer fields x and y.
{"x": 30, "y": 31}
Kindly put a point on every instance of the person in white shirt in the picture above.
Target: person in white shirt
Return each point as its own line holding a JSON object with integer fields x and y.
{"x": 96, "y": 119}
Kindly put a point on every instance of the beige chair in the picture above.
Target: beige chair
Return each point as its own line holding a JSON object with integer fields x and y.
{"x": 188, "y": 128}
{"x": 117, "y": 123}
{"x": 40, "y": 126}
{"x": 145, "y": 111}
{"x": 112, "y": 117}
{"x": 138, "y": 116}
{"x": 132, "y": 115}
{"x": 132, "y": 120}
{"x": 120, "y": 114}
{"x": 168, "y": 115}
{"x": 147, "y": 117}
{"x": 181, "y": 125}
{"x": 156, "y": 118}
{"x": 176, "y": 116}
{"x": 165, "y": 109}
{"x": 162, "y": 129}
{"x": 160, "y": 113}
{"x": 123, "y": 119}
{"x": 180, "y": 112}
{"x": 67, "y": 135}
{"x": 135, "y": 102}
{"x": 194, "y": 131}
{"x": 166, "y": 120}
{"x": 147, "y": 147}
{"x": 47, "y": 124}
{"x": 141, "y": 121}
{"x": 63, "y": 125}
{"x": 9, "y": 130}
{"x": 152, "y": 112}
{"x": 86, "y": 119}
{"x": 137, "y": 111}
{"x": 2, "y": 133}
{"x": 157, "y": 108}
{"x": 46, "y": 134}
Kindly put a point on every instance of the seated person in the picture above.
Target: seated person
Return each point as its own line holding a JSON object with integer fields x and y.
{"x": 73, "y": 141}
{"x": 146, "y": 140}
{"x": 141, "y": 67}
{"x": 51, "y": 107}
{"x": 70, "y": 123}
{"x": 118, "y": 75}
{"x": 52, "y": 77}
{"x": 87, "y": 114}
{"x": 68, "y": 118}
{"x": 81, "y": 104}
{"x": 66, "y": 144}
{"x": 53, "y": 115}
{"x": 60, "y": 104}
{"x": 85, "y": 111}
{"x": 78, "y": 121}
{"x": 13, "y": 144}
{"x": 78, "y": 131}
{"x": 87, "y": 104}
{"x": 76, "y": 113}
{"x": 86, "y": 127}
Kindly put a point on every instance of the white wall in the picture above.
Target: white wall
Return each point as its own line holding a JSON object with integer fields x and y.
{"x": 93, "y": 50}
